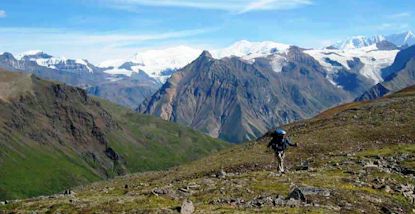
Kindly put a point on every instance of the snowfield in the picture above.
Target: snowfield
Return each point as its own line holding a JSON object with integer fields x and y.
{"x": 372, "y": 58}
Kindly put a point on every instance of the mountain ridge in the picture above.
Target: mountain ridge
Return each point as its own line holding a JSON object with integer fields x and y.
{"x": 55, "y": 136}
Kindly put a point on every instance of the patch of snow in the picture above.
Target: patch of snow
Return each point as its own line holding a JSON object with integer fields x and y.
{"x": 114, "y": 78}
{"x": 374, "y": 60}
{"x": 358, "y": 42}
{"x": 277, "y": 63}
{"x": 251, "y": 50}
{"x": 117, "y": 71}
{"x": 28, "y": 53}
{"x": 154, "y": 62}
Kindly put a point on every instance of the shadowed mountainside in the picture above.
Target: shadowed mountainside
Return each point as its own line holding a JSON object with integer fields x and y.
{"x": 54, "y": 136}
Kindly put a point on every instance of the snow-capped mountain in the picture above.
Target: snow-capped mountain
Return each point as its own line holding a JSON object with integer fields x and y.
{"x": 158, "y": 64}
{"x": 161, "y": 63}
{"x": 250, "y": 50}
{"x": 358, "y": 42}
{"x": 43, "y": 59}
{"x": 122, "y": 89}
{"x": 400, "y": 40}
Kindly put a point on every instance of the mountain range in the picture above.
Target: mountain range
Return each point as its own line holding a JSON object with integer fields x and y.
{"x": 301, "y": 81}
{"x": 401, "y": 40}
{"x": 239, "y": 98}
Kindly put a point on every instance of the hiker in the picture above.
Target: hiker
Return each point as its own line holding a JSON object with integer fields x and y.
{"x": 279, "y": 144}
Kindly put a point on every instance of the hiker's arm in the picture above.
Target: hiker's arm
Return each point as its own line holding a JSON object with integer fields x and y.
{"x": 289, "y": 143}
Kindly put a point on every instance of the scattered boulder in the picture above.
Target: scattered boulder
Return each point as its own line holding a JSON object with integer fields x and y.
{"x": 221, "y": 174}
{"x": 279, "y": 201}
{"x": 261, "y": 201}
{"x": 314, "y": 191}
{"x": 159, "y": 191}
{"x": 297, "y": 194}
{"x": 293, "y": 202}
{"x": 305, "y": 165}
{"x": 187, "y": 207}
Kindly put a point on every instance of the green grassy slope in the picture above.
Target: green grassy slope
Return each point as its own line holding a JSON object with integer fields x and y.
{"x": 149, "y": 143}
{"x": 361, "y": 159}
{"x": 53, "y": 137}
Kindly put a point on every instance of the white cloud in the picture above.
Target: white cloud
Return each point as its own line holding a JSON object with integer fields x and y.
{"x": 238, "y": 6}
{"x": 392, "y": 26}
{"x": 400, "y": 15}
{"x": 2, "y": 13}
{"x": 274, "y": 5}
{"x": 94, "y": 47}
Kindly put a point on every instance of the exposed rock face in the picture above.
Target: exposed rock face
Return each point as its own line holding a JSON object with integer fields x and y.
{"x": 399, "y": 75}
{"x": 58, "y": 113}
{"x": 238, "y": 100}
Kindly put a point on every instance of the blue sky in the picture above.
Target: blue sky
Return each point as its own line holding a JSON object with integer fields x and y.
{"x": 104, "y": 29}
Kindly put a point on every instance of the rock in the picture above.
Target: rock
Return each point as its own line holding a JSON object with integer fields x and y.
{"x": 293, "y": 203}
{"x": 296, "y": 194}
{"x": 187, "y": 207}
{"x": 261, "y": 201}
{"x": 230, "y": 174}
{"x": 314, "y": 191}
{"x": 221, "y": 174}
{"x": 2, "y": 203}
{"x": 279, "y": 201}
{"x": 158, "y": 191}
{"x": 387, "y": 189}
{"x": 193, "y": 186}
{"x": 303, "y": 166}
{"x": 184, "y": 189}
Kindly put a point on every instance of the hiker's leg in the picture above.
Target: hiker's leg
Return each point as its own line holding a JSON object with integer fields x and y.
{"x": 276, "y": 159}
{"x": 281, "y": 161}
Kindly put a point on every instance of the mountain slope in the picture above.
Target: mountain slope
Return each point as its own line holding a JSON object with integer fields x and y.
{"x": 357, "y": 157}
{"x": 399, "y": 75}
{"x": 54, "y": 136}
{"x": 239, "y": 100}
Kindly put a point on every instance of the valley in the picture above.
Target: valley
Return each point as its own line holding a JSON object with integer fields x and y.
{"x": 355, "y": 157}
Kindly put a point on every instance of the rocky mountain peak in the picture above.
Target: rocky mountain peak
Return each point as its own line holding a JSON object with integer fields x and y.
{"x": 206, "y": 54}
